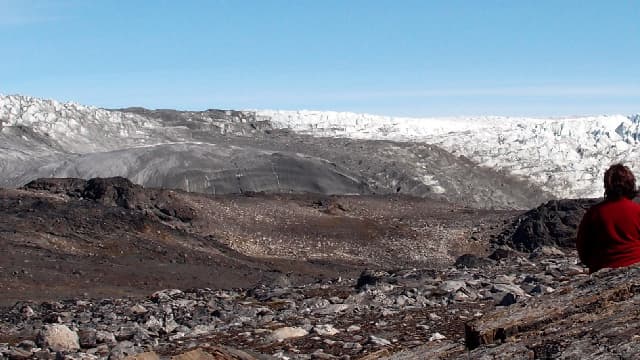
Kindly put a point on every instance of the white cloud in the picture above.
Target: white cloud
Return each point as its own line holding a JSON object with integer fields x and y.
{"x": 27, "y": 12}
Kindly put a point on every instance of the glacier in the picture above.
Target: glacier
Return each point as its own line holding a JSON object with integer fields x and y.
{"x": 565, "y": 156}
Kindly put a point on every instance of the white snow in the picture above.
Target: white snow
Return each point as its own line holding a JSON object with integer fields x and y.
{"x": 78, "y": 128}
{"x": 566, "y": 156}
{"x": 431, "y": 181}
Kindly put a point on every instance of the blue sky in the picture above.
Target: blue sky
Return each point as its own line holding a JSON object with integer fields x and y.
{"x": 410, "y": 58}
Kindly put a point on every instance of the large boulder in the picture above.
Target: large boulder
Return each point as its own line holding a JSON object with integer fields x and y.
{"x": 70, "y": 186}
{"x": 119, "y": 192}
{"x": 58, "y": 338}
{"x": 554, "y": 223}
{"x": 115, "y": 191}
{"x": 371, "y": 277}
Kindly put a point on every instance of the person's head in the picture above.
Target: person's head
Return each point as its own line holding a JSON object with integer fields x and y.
{"x": 619, "y": 182}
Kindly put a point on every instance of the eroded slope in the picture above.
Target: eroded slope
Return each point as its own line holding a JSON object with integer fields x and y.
{"x": 70, "y": 236}
{"x": 217, "y": 151}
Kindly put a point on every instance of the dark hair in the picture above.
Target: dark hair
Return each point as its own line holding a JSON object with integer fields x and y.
{"x": 618, "y": 182}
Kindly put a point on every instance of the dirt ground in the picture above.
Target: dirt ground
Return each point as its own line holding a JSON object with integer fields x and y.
{"x": 60, "y": 241}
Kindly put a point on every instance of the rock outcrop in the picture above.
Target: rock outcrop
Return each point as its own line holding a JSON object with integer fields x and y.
{"x": 554, "y": 223}
{"x": 119, "y": 192}
{"x": 589, "y": 317}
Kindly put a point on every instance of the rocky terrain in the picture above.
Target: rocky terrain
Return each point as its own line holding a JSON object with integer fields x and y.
{"x": 107, "y": 269}
{"x": 376, "y": 315}
{"x": 149, "y": 234}
{"x": 71, "y": 236}
{"x": 227, "y": 152}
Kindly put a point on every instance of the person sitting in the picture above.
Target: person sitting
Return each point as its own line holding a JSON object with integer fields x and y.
{"x": 609, "y": 233}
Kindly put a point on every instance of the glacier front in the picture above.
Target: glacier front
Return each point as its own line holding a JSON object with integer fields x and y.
{"x": 566, "y": 156}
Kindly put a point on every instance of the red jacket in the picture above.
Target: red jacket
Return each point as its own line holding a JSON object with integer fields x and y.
{"x": 609, "y": 235}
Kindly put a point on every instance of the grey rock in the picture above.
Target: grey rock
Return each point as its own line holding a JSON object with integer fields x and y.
{"x": 472, "y": 261}
{"x": 153, "y": 323}
{"x": 325, "y": 330}
{"x": 87, "y": 337}
{"x": 541, "y": 289}
{"x": 451, "y": 286}
{"x": 506, "y": 288}
{"x": 58, "y": 338}
{"x": 332, "y": 309}
{"x": 321, "y": 355}
{"x": 353, "y": 328}
{"x": 80, "y": 356}
{"x": 552, "y": 224}
{"x": 504, "y": 279}
{"x": 371, "y": 277}
{"x": 105, "y": 337}
{"x": 26, "y": 345}
{"x": 403, "y": 300}
{"x": 378, "y": 341}
{"x": 200, "y": 330}
{"x": 165, "y": 295}
{"x": 354, "y": 346}
{"x": 503, "y": 253}
{"x": 28, "y": 312}
{"x": 287, "y": 333}
{"x": 507, "y": 299}
{"x": 137, "y": 309}
{"x": 122, "y": 350}
{"x": 18, "y": 354}
{"x": 45, "y": 355}
{"x": 100, "y": 350}
{"x": 546, "y": 251}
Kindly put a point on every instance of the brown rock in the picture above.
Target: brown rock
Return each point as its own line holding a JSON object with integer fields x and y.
{"x": 87, "y": 338}
{"x": 432, "y": 350}
{"x": 214, "y": 353}
{"x": 19, "y": 354}
{"x": 376, "y": 355}
{"x": 58, "y": 338}
{"x": 570, "y": 322}
{"x": 149, "y": 355}
{"x": 198, "y": 354}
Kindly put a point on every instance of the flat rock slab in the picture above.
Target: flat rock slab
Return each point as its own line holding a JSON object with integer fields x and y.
{"x": 197, "y": 354}
{"x": 214, "y": 353}
{"x": 431, "y": 350}
{"x": 574, "y": 321}
{"x": 150, "y": 355}
{"x": 288, "y": 333}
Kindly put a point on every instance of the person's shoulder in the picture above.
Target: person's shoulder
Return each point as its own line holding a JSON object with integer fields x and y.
{"x": 602, "y": 208}
{"x": 598, "y": 206}
{"x": 623, "y": 205}
{"x": 592, "y": 213}
{"x": 633, "y": 204}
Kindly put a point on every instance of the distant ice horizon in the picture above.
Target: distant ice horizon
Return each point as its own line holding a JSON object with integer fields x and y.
{"x": 487, "y": 114}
